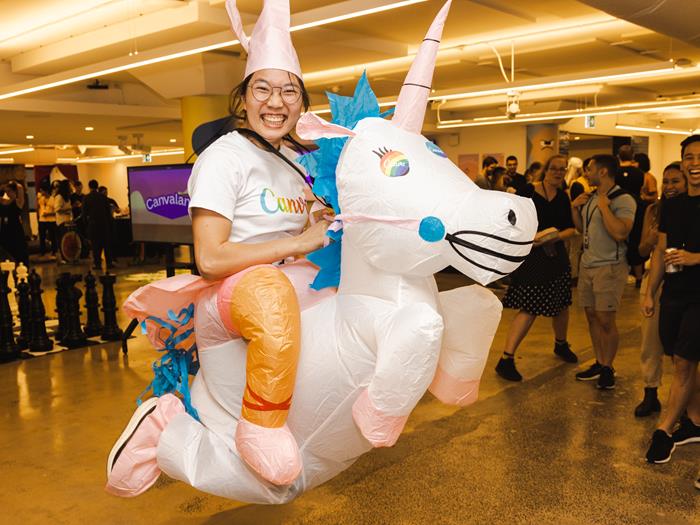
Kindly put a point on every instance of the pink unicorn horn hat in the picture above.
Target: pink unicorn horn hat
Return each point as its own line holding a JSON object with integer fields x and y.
{"x": 270, "y": 44}
{"x": 413, "y": 98}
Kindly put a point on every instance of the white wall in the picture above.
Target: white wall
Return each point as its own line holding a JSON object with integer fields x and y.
{"x": 509, "y": 139}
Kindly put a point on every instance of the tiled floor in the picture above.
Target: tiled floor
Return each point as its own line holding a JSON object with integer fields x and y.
{"x": 549, "y": 450}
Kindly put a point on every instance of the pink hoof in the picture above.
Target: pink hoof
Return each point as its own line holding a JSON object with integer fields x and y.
{"x": 132, "y": 467}
{"x": 453, "y": 391}
{"x": 381, "y": 430}
{"x": 271, "y": 452}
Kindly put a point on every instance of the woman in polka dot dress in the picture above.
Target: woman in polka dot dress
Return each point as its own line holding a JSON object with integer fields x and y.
{"x": 542, "y": 284}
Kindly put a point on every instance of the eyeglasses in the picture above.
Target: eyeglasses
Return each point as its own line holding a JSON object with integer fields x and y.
{"x": 262, "y": 91}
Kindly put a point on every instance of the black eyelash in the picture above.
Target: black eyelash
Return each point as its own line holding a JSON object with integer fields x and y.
{"x": 381, "y": 152}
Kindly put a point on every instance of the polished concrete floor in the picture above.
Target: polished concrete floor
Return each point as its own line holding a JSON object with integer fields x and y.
{"x": 547, "y": 451}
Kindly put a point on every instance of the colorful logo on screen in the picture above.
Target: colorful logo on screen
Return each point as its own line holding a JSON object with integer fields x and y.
{"x": 171, "y": 205}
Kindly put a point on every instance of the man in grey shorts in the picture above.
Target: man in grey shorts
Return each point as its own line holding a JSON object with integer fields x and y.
{"x": 604, "y": 218}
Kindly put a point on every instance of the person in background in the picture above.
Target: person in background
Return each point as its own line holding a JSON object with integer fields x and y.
{"x": 76, "y": 199}
{"x": 604, "y": 223}
{"x": 112, "y": 203}
{"x": 533, "y": 173}
{"x": 515, "y": 182}
{"x": 497, "y": 179}
{"x": 574, "y": 170}
{"x": 649, "y": 192}
{"x": 674, "y": 183}
{"x": 63, "y": 211}
{"x": 12, "y": 237}
{"x": 46, "y": 217}
{"x": 631, "y": 179}
{"x": 678, "y": 248}
{"x": 97, "y": 215}
{"x": 578, "y": 186}
{"x": 487, "y": 166}
{"x": 541, "y": 285}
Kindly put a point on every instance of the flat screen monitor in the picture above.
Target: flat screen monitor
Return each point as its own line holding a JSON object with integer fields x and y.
{"x": 158, "y": 200}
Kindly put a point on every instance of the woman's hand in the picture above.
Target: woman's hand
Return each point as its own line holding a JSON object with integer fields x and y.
{"x": 313, "y": 237}
{"x": 682, "y": 257}
{"x": 580, "y": 200}
{"x": 648, "y": 305}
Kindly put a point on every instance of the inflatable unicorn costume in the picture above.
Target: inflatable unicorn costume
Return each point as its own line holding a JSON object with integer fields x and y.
{"x": 370, "y": 351}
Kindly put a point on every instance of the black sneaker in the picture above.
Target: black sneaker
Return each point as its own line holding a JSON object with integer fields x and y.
{"x": 506, "y": 369}
{"x": 661, "y": 447}
{"x": 649, "y": 404}
{"x": 606, "y": 379}
{"x": 591, "y": 373}
{"x": 687, "y": 432}
{"x": 563, "y": 350}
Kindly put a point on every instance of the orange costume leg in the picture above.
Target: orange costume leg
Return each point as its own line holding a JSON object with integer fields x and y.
{"x": 264, "y": 309}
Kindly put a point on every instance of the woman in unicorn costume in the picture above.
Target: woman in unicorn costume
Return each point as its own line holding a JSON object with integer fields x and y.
{"x": 369, "y": 352}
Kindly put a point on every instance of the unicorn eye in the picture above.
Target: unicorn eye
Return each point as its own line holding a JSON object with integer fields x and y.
{"x": 392, "y": 163}
{"x": 434, "y": 148}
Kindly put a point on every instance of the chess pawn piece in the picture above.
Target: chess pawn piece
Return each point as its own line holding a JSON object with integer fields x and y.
{"x": 8, "y": 348}
{"x": 110, "y": 330}
{"x": 39, "y": 341}
{"x": 25, "y": 308}
{"x": 73, "y": 337}
{"x": 93, "y": 326}
{"x": 62, "y": 284}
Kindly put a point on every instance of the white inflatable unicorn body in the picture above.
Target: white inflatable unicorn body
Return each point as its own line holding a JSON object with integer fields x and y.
{"x": 370, "y": 352}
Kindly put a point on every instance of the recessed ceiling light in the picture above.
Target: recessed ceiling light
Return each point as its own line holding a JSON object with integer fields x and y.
{"x": 29, "y": 137}
{"x": 173, "y": 140}
{"x": 89, "y": 128}
{"x": 577, "y": 138}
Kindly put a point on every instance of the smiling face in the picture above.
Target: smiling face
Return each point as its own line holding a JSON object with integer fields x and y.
{"x": 273, "y": 104}
{"x": 512, "y": 166}
{"x": 691, "y": 166}
{"x": 673, "y": 183}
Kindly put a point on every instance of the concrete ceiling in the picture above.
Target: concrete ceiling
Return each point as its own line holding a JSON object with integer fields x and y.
{"x": 44, "y": 41}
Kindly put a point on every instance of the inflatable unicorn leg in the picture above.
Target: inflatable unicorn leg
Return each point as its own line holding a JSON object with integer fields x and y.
{"x": 408, "y": 346}
{"x": 471, "y": 316}
{"x": 262, "y": 306}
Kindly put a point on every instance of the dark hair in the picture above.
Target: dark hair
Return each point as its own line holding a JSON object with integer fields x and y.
{"x": 587, "y": 162}
{"x": 688, "y": 141}
{"x": 236, "y": 106}
{"x": 45, "y": 185}
{"x": 78, "y": 183}
{"x": 511, "y": 157}
{"x": 673, "y": 166}
{"x": 625, "y": 152}
{"x": 676, "y": 165}
{"x": 609, "y": 162}
{"x": 642, "y": 159}
{"x": 533, "y": 168}
{"x": 102, "y": 188}
{"x": 93, "y": 184}
{"x": 488, "y": 161}
{"x": 64, "y": 189}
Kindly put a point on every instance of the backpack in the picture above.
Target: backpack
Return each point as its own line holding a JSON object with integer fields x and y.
{"x": 635, "y": 234}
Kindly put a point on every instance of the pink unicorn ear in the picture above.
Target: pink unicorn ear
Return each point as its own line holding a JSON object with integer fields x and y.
{"x": 312, "y": 127}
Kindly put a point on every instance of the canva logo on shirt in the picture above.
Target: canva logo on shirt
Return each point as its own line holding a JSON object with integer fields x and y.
{"x": 272, "y": 204}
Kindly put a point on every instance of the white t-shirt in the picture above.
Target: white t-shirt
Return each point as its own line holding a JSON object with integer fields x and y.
{"x": 259, "y": 193}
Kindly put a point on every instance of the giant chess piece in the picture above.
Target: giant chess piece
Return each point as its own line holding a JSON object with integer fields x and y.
{"x": 8, "y": 348}
{"x": 111, "y": 330}
{"x": 93, "y": 326}
{"x": 62, "y": 284}
{"x": 74, "y": 336}
{"x": 39, "y": 341}
{"x": 24, "y": 306}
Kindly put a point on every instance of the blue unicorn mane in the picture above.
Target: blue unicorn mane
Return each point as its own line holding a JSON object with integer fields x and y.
{"x": 322, "y": 164}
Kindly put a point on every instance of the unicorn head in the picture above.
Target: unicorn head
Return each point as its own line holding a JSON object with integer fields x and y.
{"x": 403, "y": 204}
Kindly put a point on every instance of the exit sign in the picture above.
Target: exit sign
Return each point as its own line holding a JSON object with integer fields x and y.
{"x": 590, "y": 121}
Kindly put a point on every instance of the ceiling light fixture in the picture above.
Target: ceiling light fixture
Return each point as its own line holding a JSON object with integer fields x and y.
{"x": 16, "y": 150}
{"x": 89, "y": 128}
{"x": 88, "y": 160}
{"x": 198, "y": 50}
{"x": 29, "y": 137}
{"x": 7, "y": 161}
{"x": 173, "y": 140}
{"x": 653, "y": 130}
